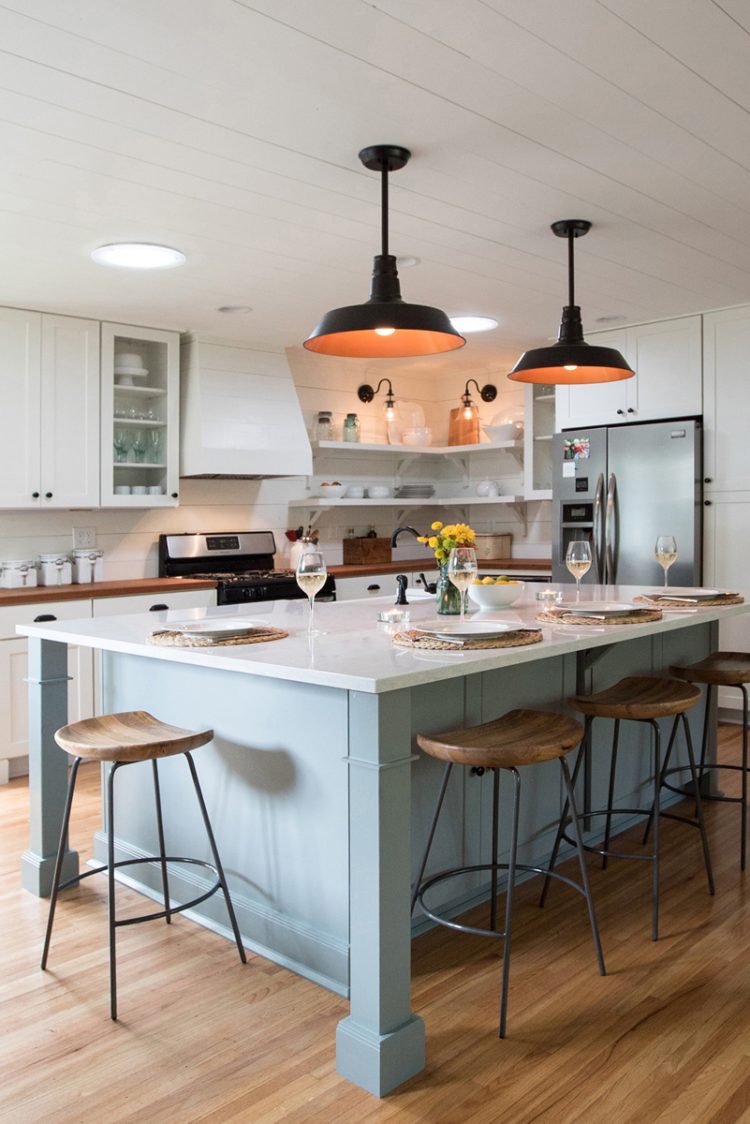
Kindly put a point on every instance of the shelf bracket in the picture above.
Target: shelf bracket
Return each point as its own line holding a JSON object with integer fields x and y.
{"x": 462, "y": 461}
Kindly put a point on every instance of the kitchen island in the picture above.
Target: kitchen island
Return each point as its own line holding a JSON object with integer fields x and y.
{"x": 318, "y": 801}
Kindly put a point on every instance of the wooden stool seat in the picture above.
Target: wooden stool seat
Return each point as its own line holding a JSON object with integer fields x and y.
{"x": 132, "y": 735}
{"x": 521, "y": 737}
{"x": 639, "y": 697}
{"x": 723, "y": 669}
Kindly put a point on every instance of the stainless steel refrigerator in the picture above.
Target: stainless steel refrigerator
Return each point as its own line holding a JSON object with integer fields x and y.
{"x": 621, "y": 486}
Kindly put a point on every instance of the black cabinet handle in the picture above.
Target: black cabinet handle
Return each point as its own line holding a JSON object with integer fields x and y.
{"x": 621, "y": 413}
{"x": 708, "y": 479}
{"x": 707, "y": 503}
{"x": 48, "y": 495}
{"x": 631, "y": 410}
{"x": 158, "y": 608}
{"x": 373, "y": 588}
{"x": 35, "y": 495}
{"x": 44, "y": 617}
{"x": 174, "y": 495}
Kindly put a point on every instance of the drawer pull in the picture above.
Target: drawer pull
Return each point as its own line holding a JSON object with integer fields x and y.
{"x": 35, "y": 495}
{"x": 158, "y": 608}
{"x": 48, "y": 495}
{"x": 44, "y": 617}
{"x": 373, "y": 589}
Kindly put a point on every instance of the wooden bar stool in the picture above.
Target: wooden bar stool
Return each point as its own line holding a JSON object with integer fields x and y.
{"x": 720, "y": 669}
{"x": 639, "y": 699}
{"x": 124, "y": 739}
{"x": 519, "y": 738}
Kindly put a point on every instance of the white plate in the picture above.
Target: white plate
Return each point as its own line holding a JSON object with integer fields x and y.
{"x": 683, "y": 593}
{"x": 218, "y": 629}
{"x": 596, "y": 608}
{"x": 467, "y": 630}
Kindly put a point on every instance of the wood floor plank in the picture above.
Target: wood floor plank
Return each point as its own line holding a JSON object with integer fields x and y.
{"x": 664, "y": 1038}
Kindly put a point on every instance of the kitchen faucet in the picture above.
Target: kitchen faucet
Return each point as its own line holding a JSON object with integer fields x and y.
{"x": 400, "y": 530}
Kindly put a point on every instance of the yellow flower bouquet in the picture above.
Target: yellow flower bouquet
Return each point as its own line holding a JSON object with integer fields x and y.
{"x": 446, "y": 536}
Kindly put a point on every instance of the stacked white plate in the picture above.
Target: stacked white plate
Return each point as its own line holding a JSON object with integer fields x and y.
{"x": 414, "y": 492}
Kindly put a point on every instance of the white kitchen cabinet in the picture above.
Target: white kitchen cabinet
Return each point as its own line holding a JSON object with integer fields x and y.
{"x": 49, "y": 388}
{"x": 14, "y": 704}
{"x": 380, "y": 585}
{"x": 667, "y": 359}
{"x": 144, "y": 413}
{"x": 726, "y": 548}
{"x": 539, "y": 427}
{"x": 726, "y": 374}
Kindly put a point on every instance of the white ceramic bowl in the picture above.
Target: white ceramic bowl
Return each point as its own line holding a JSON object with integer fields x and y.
{"x": 355, "y": 492}
{"x": 418, "y": 435}
{"x": 496, "y": 596}
{"x": 378, "y": 491}
{"x": 508, "y": 431}
{"x": 331, "y": 491}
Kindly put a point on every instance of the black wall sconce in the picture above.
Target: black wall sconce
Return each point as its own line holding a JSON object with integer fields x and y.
{"x": 365, "y": 393}
{"x": 488, "y": 393}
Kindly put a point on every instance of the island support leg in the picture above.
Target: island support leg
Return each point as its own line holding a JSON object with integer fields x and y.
{"x": 381, "y": 1043}
{"x": 48, "y": 766}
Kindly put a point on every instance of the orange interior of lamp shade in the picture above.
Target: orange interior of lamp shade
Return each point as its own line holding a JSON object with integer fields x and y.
{"x": 369, "y": 345}
{"x": 581, "y": 375}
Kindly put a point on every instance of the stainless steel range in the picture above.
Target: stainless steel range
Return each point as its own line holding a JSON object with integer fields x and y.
{"x": 240, "y": 561}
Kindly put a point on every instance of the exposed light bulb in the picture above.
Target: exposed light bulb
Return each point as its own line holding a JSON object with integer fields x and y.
{"x": 384, "y": 331}
{"x": 468, "y": 412}
{"x": 390, "y": 413}
{"x": 571, "y": 367}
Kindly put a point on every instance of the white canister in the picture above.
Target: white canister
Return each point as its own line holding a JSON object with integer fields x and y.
{"x": 55, "y": 569}
{"x": 17, "y": 573}
{"x": 88, "y": 566}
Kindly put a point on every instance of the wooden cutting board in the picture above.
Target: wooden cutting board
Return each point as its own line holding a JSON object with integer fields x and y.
{"x": 461, "y": 431}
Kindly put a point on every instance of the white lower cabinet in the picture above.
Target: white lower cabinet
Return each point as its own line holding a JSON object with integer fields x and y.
{"x": 378, "y": 585}
{"x": 726, "y": 546}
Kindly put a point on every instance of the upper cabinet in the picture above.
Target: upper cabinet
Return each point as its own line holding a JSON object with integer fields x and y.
{"x": 666, "y": 357}
{"x": 726, "y": 364}
{"x": 140, "y": 417}
{"x": 49, "y": 387}
{"x": 539, "y": 425}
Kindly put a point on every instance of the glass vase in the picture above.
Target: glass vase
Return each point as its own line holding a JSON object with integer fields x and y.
{"x": 447, "y": 597}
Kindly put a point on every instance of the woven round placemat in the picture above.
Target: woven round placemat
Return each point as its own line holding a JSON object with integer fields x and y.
{"x": 169, "y": 639}
{"x": 691, "y": 603}
{"x": 516, "y": 639}
{"x": 638, "y": 616}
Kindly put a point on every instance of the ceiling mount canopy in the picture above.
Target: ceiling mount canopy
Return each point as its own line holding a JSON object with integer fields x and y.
{"x": 385, "y": 326}
{"x": 571, "y": 359}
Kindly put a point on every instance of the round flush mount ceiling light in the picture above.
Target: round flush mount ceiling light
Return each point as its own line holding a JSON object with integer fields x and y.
{"x": 138, "y": 255}
{"x": 473, "y": 323}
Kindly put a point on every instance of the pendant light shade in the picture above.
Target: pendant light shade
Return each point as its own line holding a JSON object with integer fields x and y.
{"x": 385, "y": 326}
{"x": 571, "y": 359}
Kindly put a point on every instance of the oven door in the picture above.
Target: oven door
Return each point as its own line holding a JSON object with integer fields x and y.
{"x": 274, "y": 591}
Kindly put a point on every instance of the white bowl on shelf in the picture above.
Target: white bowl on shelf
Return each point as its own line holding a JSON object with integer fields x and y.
{"x": 355, "y": 492}
{"x": 417, "y": 435}
{"x": 378, "y": 491}
{"x": 496, "y": 596}
{"x": 331, "y": 491}
{"x": 507, "y": 431}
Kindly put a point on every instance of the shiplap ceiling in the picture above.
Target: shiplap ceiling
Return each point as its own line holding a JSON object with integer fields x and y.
{"x": 230, "y": 129}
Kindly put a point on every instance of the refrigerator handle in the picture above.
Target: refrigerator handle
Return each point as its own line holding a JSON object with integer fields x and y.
{"x": 598, "y": 543}
{"x": 610, "y": 531}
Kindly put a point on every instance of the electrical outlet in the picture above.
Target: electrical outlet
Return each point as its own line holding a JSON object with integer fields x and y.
{"x": 84, "y": 537}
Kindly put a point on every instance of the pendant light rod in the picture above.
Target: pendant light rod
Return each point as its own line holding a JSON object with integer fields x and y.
{"x": 384, "y": 209}
{"x": 571, "y": 270}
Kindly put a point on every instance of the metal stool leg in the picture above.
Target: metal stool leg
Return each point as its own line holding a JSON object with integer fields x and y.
{"x": 509, "y": 900}
{"x": 743, "y": 806}
{"x": 582, "y": 864}
{"x": 59, "y": 859}
{"x": 704, "y": 739}
{"x": 564, "y": 814}
{"x": 495, "y": 829}
{"x": 217, "y": 860}
{"x": 672, "y": 737}
{"x": 111, "y": 890}
{"x": 162, "y": 851}
{"x": 698, "y": 804}
{"x": 656, "y": 816}
{"x": 611, "y": 790}
{"x": 431, "y": 834}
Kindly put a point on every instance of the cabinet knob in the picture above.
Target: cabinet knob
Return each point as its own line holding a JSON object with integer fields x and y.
{"x": 707, "y": 503}
{"x": 174, "y": 495}
{"x": 158, "y": 608}
{"x": 35, "y": 495}
{"x": 44, "y": 617}
{"x": 48, "y": 495}
{"x": 621, "y": 413}
{"x": 708, "y": 479}
{"x": 631, "y": 410}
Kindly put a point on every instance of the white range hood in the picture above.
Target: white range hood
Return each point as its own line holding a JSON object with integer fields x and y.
{"x": 240, "y": 415}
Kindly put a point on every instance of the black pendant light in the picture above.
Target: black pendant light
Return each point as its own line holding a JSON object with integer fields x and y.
{"x": 385, "y": 327}
{"x": 571, "y": 359}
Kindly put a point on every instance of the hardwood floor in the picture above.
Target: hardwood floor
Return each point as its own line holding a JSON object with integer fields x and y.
{"x": 664, "y": 1038}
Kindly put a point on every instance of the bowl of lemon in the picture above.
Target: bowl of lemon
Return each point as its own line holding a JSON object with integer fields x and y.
{"x": 490, "y": 592}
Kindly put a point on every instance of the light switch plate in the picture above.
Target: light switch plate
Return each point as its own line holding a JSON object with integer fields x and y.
{"x": 84, "y": 537}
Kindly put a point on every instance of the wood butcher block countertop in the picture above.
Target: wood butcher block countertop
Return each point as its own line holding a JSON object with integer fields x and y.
{"x": 39, "y": 593}
{"x": 414, "y": 565}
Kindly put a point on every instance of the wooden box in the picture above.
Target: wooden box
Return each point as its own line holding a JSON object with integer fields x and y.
{"x": 493, "y": 546}
{"x": 366, "y": 551}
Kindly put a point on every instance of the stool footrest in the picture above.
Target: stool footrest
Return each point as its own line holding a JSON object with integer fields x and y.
{"x": 614, "y": 812}
{"x": 454, "y": 873}
{"x": 153, "y": 859}
{"x": 704, "y": 795}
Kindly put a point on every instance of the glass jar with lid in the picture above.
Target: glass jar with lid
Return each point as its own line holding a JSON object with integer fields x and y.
{"x": 324, "y": 426}
{"x": 351, "y": 428}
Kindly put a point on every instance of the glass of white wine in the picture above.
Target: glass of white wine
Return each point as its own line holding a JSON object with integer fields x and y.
{"x": 462, "y": 569}
{"x": 578, "y": 561}
{"x": 311, "y": 576}
{"x": 666, "y": 553}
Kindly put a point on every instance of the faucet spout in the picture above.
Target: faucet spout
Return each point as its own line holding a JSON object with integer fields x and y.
{"x": 401, "y": 530}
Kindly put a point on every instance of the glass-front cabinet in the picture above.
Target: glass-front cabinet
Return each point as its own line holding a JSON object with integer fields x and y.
{"x": 539, "y": 429}
{"x": 140, "y": 416}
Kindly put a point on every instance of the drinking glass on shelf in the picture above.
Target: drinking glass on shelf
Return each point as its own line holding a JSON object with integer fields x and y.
{"x": 666, "y": 553}
{"x": 139, "y": 446}
{"x": 311, "y": 576}
{"x": 121, "y": 445}
{"x": 154, "y": 444}
{"x": 578, "y": 561}
{"x": 462, "y": 569}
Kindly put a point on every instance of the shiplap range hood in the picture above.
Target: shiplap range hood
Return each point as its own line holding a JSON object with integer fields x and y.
{"x": 240, "y": 415}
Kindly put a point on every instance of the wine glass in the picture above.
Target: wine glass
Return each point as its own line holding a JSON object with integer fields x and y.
{"x": 311, "y": 576}
{"x": 154, "y": 445}
{"x": 462, "y": 569}
{"x": 121, "y": 445}
{"x": 139, "y": 446}
{"x": 666, "y": 553}
{"x": 578, "y": 561}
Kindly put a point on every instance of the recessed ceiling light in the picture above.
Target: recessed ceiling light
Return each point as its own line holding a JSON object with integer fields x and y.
{"x": 407, "y": 263}
{"x": 138, "y": 255}
{"x": 231, "y": 308}
{"x": 473, "y": 323}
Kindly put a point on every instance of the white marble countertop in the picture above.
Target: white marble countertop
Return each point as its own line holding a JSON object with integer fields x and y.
{"x": 354, "y": 652}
